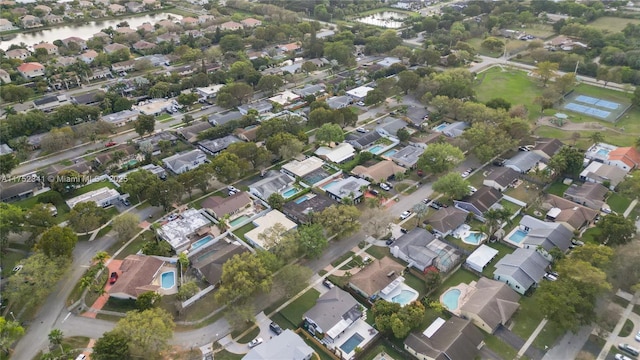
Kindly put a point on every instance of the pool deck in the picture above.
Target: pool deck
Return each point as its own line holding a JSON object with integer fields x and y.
{"x": 397, "y": 292}
{"x": 361, "y": 327}
{"x": 465, "y": 291}
{"x": 507, "y": 238}
{"x": 158, "y": 280}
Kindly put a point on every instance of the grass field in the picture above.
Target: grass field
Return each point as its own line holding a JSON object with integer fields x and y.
{"x": 294, "y": 311}
{"x": 612, "y": 24}
{"x": 514, "y": 86}
{"x": 618, "y": 203}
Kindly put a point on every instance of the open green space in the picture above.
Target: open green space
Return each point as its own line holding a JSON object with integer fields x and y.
{"x": 201, "y": 308}
{"x": 528, "y": 316}
{"x": 512, "y": 85}
{"x": 70, "y": 345}
{"x": 502, "y": 251}
{"x": 225, "y": 355}
{"x": 459, "y": 243}
{"x": 294, "y": 311}
{"x": 10, "y": 259}
{"x": 618, "y": 203}
{"x": 620, "y": 301}
{"x": 548, "y": 336}
{"x": 415, "y": 282}
{"x": 252, "y": 334}
{"x": 119, "y": 305}
{"x": 557, "y": 188}
{"x": 342, "y": 258}
{"x": 460, "y": 276}
{"x": 378, "y": 252}
{"x": 612, "y": 24}
{"x": 591, "y": 235}
{"x": 243, "y": 230}
{"x": 500, "y": 347}
{"x": 627, "y": 328}
{"x": 133, "y": 247}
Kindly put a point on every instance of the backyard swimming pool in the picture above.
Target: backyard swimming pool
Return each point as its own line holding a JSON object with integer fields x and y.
{"x": 238, "y": 221}
{"x": 390, "y": 152}
{"x": 375, "y": 149}
{"x": 474, "y": 238}
{"x": 441, "y": 127}
{"x": 302, "y": 199}
{"x": 517, "y": 236}
{"x": 405, "y": 297}
{"x": 201, "y": 242}
{"x": 290, "y": 192}
{"x": 351, "y": 343}
{"x": 450, "y": 299}
{"x": 326, "y": 186}
{"x": 168, "y": 280}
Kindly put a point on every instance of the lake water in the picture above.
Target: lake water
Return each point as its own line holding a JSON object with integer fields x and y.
{"x": 84, "y": 31}
{"x": 386, "y": 19}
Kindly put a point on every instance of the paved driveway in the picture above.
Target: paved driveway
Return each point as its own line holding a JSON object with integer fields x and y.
{"x": 517, "y": 342}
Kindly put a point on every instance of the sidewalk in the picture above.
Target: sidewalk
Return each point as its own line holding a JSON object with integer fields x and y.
{"x": 630, "y": 208}
{"x": 531, "y": 338}
{"x": 613, "y": 336}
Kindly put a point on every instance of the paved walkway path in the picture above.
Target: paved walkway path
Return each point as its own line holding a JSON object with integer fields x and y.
{"x": 613, "y": 336}
{"x": 531, "y": 338}
{"x": 630, "y": 208}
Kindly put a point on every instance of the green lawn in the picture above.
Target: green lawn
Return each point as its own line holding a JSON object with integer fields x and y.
{"x": 252, "y": 334}
{"x": 527, "y": 317}
{"x": 548, "y": 336}
{"x": 378, "y": 252}
{"x": 591, "y": 235}
{"x": 243, "y": 230}
{"x": 9, "y": 260}
{"x": 294, "y": 311}
{"x": 342, "y": 258}
{"x": 458, "y": 242}
{"x": 612, "y": 24}
{"x": 500, "y": 347}
{"x": 512, "y": 85}
{"x": 557, "y": 188}
{"x": 618, "y": 203}
{"x": 119, "y": 305}
{"x": 382, "y": 348}
{"x": 626, "y": 329}
{"x": 460, "y": 276}
{"x": 416, "y": 283}
{"x": 502, "y": 251}
{"x": 85, "y": 189}
{"x": 225, "y": 355}
{"x": 133, "y": 247}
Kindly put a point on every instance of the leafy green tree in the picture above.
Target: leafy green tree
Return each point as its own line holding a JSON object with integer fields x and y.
{"x": 8, "y": 162}
{"x": 498, "y": 103}
{"x": 147, "y": 300}
{"x": 187, "y": 99}
{"x": 568, "y": 161}
{"x": 374, "y": 96}
{"x": 270, "y": 84}
{"x": 391, "y": 318}
{"x": 243, "y": 276}
{"x": 408, "y": 80}
{"x": 138, "y": 182}
{"x": 545, "y": 71}
{"x": 11, "y": 219}
{"x": 145, "y": 124}
{"x": 494, "y": 217}
{"x": 33, "y": 283}
{"x": 596, "y": 137}
{"x": 38, "y": 219}
{"x": 630, "y": 186}
{"x": 276, "y": 201}
{"x": 10, "y": 331}
{"x": 488, "y": 140}
{"x": 321, "y": 116}
{"x": 233, "y": 95}
{"x": 492, "y": 44}
{"x": 66, "y": 181}
{"x": 440, "y": 158}
{"x": 187, "y": 290}
{"x": 312, "y": 240}
{"x": 58, "y": 242}
{"x": 126, "y": 226}
{"x": 329, "y": 133}
{"x": 292, "y": 278}
{"x": 228, "y": 167}
{"x": 148, "y": 332}
{"x": 86, "y": 216}
{"x": 452, "y": 185}
{"x": 14, "y": 93}
{"x": 165, "y": 194}
{"x": 258, "y": 156}
{"x": 55, "y": 338}
{"x": 403, "y": 135}
{"x": 231, "y": 42}
{"x": 616, "y": 229}
{"x": 338, "y": 220}
{"x": 285, "y": 145}
{"x": 111, "y": 346}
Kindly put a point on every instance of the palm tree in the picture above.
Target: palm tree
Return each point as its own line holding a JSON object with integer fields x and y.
{"x": 184, "y": 263}
{"x": 100, "y": 258}
{"x": 494, "y": 217}
{"x": 9, "y": 110}
{"x": 596, "y": 137}
{"x": 55, "y": 338}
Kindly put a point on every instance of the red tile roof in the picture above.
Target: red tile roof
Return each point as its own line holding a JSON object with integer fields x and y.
{"x": 628, "y": 155}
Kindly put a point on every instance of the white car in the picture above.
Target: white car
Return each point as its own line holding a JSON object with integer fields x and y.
{"x": 472, "y": 189}
{"x": 385, "y": 186}
{"x": 638, "y": 336}
{"x": 360, "y": 103}
{"x": 255, "y": 342}
{"x": 361, "y": 130}
{"x": 465, "y": 174}
{"x": 621, "y": 357}
{"x": 550, "y": 277}
{"x": 405, "y": 215}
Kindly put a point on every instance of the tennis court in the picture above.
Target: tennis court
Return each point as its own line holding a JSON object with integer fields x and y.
{"x": 598, "y": 108}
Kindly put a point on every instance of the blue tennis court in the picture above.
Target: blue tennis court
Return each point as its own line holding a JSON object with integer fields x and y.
{"x": 587, "y": 110}
{"x": 597, "y": 102}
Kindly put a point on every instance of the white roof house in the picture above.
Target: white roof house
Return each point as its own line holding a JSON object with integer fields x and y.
{"x": 102, "y": 197}
{"x": 360, "y": 92}
{"x": 286, "y": 346}
{"x": 284, "y": 97}
{"x": 209, "y": 91}
{"x": 481, "y": 257}
{"x": 177, "y": 232}
{"x": 265, "y": 222}
{"x": 339, "y": 154}
{"x": 302, "y": 168}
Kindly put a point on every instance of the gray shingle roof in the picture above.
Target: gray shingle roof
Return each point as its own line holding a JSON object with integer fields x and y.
{"x": 524, "y": 161}
{"x": 526, "y": 266}
{"x": 332, "y": 307}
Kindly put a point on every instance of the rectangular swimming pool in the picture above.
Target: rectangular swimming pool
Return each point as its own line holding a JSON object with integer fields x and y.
{"x": 517, "y": 236}
{"x": 238, "y": 221}
{"x": 376, "y": 149}
{"x": 351, "y": 343}
{"x": 390, "y": 152}
{"x": 201, "y": 242}
{"x": 290, "y": 192}
{"x": 441, "y": 127}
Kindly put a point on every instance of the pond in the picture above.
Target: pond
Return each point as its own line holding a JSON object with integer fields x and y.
{"x": 385, "y": 19}
{"x": 84, "y": 31}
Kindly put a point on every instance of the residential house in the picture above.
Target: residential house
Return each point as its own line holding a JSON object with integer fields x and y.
{"x": 124, "y": 30}
{"x": 250, "y": 133}
{"x": 302, "y": 211}
{"x": 107, "y": 158}
{"x": 607, "y": 175}
{"x": 185, "y": 161}
{"x": 299, "y": 169}
{"x": 64, "y": 61}
{"x": 565, "y": 43}
{"x": 480, "y": 201}
{"x": 156, "y": 170}
{"x": 209, "y": 267}
{"x": 374, "y": 277}
{"x": 500, "y": 178}
{"x": 339, "y": 102}
{"x": 285, "y": 98}
{"x": 52, "y": 19}
{"x": 421, "y": 250}
{"x": 146, "y": 27}
{"x": 480, "y": 258}
{"x": 188, "y": 20}
{"x": 547, "y": 147}
{"x": 544, "y": 236}
{"x": 76, "y": 40}
{"x": 363, "y": 141}
{"x": 50, "y": 102}
{"x": 408, "y": 156}
{"x": 454, "y": 129}
{"x": 219, "y": 207}
{"x": 261, "y": 107}
{"x": 151, "y": 4}
{"x": 310, "y": 89}
{"x": 203, "y": 19}
{"x": 388, "y": 61}
{"x": 90, "y": 98}
{"x": 103, "y": 197}
{"x": 15, "y": 191}
{"x": 290, "y": 47}
{"x": 265, "y": 223}
{"x": 168, "y": 37}
{"x": 272, "y": 182}
{"x": 123, "y": 66}
{"x": 99, "y": 73}
{"x": 591, "y": 195}
{"x": 626, "y": 158}
{"x": 189, "y": 227}
{"x": 121, "y": 118}
{"x": 390, "y": 126}
{"x": 324, "y": 34}
{"x": 88, "y": 56}
{"x": 106, "y": 38}
{"x": 215, "y": 146}
{"x": 6, "y": 25}
{"x": 359, "y": 93}
{"x": 143, "y": 45}
{"x": 218, "y": 119}
{"x": 43, "y": 8}
{"x": 112, "y": 48}
{"x": 251, "y": 22}
{"x": 30, "y": 21}
{"x": 5, "y": 149}
{"x": 521, "y": 270}
{"x": 379, "y": 172}
{"x": 190, "y": 133}
{"x": 116, "y": 8}
{"x": 209, "y": 92}
{"x": 4, "y": 77}
{"x": 230, "y": 26}
{"x": 286, "y": 346}
{"x": 490, "y": 305}
{"x": 454, "y": 339}
{"x": 417, "y": 115}
{"x": 565, "y": 211}
{"x": 446, "y": 220}
{"x": 50, "y": 48}
{"x": 599, "y": 152}
{"x": 18, "y": 54}
{"x": 136, "y": 275}
{"x": 349, "y": 188}
{"x": 333, "y": 313}
{"x": 524, "y": 161}
{"x": 337, "y": 154}
{"x": 134, "y": 7}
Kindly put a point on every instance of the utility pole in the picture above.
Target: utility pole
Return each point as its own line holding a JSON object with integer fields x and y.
{"x": 576, "y": 70}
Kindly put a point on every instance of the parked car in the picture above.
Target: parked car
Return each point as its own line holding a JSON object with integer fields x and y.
{"x": 232, "y": 188}
{"x": 403, "y": 230}
{"x": 110, "y": 144}
{"x": 426, "y": 201}
{"x": 577, "y": 242}
{"x": 385, "y": 186}
{"x": 434, "y": 205}
{"x": 360, "y": 103}
{"x": 550, "y": 277}
{"x": 472, "y": 189}
{"x": 526, "y": 148}
{"x": 255, "y": 342}
{"x": 621, "y": 357}
{"x": 361, "y": 130}
{"x": 638, "y": 336}
{"x": 275, "y": 328}
{"x": 113, "y": 278}
{"x": 374, "y": 192}
{"x": 328, "y": 284}
{"x": 405, "y": 215}
{"x": 389, "y": 242}
{"x": 499, "y": 162}
{"x": 629, "y": 349}
{"x": 17, "y": 268}
{"x": 126, "y": 202}
{"x": 172, "y": 217}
